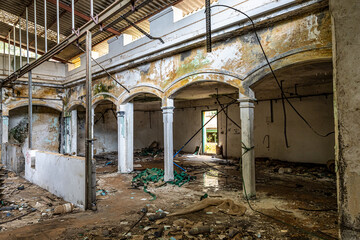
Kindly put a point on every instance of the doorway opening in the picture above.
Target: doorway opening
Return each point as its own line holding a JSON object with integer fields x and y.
{"x": 210, "y": 132}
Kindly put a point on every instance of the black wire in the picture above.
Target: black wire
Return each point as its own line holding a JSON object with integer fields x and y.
{"x": 273, "y": 73}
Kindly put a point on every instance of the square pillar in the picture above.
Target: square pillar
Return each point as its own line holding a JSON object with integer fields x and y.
{"x": 247, "y": 138}
{"x": 5, "y": 138}
{"x": 73, "y": 141}
{"x": 67, "y": 135}
{"x": 5, "y": 129}
{"x": 125, "y": 118}
{"x": 168, "y": 114}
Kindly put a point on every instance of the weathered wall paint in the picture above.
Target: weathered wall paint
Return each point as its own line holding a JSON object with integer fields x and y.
{"x": 347, "y": 113}
{"x": 230, "y": 62}
{"x": 46, "y": 127}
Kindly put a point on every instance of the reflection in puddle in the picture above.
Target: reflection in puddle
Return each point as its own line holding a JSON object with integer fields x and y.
{"x": 211, "y": 179}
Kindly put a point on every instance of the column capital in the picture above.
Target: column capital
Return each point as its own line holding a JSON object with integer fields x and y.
{"x": 120, "y": 113}
{"x": 168, "y": 109}
{"x": 247, "y": 104}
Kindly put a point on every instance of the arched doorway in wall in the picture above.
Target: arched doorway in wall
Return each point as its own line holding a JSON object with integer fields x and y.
{"x": 45, "y": 134}
{"x": 202, "y": 102}
{"x": 308, "y": 86}
{"x": 218, "y": 142}
{"x": 46, "y": 128}
{"x": 105, "y": 133}
{"x": 303, "y": 172}
{"x": 148, "y": 131}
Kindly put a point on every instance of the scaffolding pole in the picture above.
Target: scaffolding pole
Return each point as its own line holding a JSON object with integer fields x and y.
{"x": 35, "y": 30}
{"x": 30, "y": 109}
{"x": 45, "y": 25}
{"x": 57, "y": 22}
{"x": 90, "y": 190}
{"x": 20, "y": 43}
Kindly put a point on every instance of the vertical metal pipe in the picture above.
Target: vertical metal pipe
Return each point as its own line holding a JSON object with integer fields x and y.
{"x": 1, "y": 114}
{"x": 90, "y": 201}
{"x": 91, "y": 8}
{"x": 20, "y": 43}
{"x": 45, "y": 25}
{"x": 35, "y": 30}
{"x": 9, "y": 55}
{"x": 72, "y": 15}
{"x": 30, "y": 109}
{"x": 27, "y": 34}
{"x": 57, "y": 22}
{"x": 14, "y": 35}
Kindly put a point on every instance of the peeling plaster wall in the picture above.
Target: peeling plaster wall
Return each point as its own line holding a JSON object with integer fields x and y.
{"x": 305, "y": 145}
{"x": 46, "y": 127}
{"x": 148, "y": 127}
{"x": 346, "y": 58}
{"x": 302, "y": 38}
{"x": 105, "y": 128}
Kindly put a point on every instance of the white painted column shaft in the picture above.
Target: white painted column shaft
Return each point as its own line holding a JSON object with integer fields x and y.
{"x": 5, "y": 129}
{"x": 247, "y": 138}
{"x": 126, "y": 138}
{"x": 168, "y": 116}
{"x": 73, "y": 145}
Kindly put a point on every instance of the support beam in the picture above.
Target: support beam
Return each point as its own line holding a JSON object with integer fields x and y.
{"x": 45, "y": 26}
{"x": 57, "y": 22}
{"x": 73, "y": 144}
{"x": 346, "y": 75}
{"x": 106, "y": 14}
{"x": 90, "y": 193}
{"x": 247, "y": 138}
{"x": 168, "y": 116}
{"x": 35, "y": 30}
{"x": 30, "y": 109}
{"x": 80, "y": 14}
{"x": 125, "y": 120}
{"x": 5, "y": 137}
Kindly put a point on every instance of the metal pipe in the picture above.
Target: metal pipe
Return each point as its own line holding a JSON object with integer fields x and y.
{"x": 30, "y": 109}
{"x": 20, "y": 43}
{"x": 57, "y": 22}
{"x": 35, "y": 30}
{"x": 90, "y": 202}
{"x": 14, "y": 34}
{"x": 91, "y": 8}
{"x": 9, "y": 54}
{"x": 45, "y": 25}
{"x": 1, "y": 113}
{"x": 27, "y": 34}
{"x": 72, "y": 15}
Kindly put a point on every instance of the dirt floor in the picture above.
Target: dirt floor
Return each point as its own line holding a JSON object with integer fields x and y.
{"x": 294, "y": 201}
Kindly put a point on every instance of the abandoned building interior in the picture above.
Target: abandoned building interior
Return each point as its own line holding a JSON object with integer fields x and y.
{"x": 179, "y": 119}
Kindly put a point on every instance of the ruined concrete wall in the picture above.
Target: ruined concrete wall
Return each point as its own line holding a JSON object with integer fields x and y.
{"x": 105, "y": 128}
{"x": 61, "y": 175}
{"x": 346, "y": 52}
{"x": 148, "y": 127}
{"x": 301, "y": 39}
{"x": 305, "y": 145}
{"x": 81, "y": 133}
{"x": 46, "y": 128}
{"x": 12, "y": 157}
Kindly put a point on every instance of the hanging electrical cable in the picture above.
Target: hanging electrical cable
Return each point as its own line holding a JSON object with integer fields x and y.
{"x": 272, "y": 72}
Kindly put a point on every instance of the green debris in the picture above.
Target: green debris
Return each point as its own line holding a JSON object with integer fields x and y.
{"x": 155, "y": 175}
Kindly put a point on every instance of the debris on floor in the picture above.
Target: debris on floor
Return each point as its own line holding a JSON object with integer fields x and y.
{"x": 155, "y": 178}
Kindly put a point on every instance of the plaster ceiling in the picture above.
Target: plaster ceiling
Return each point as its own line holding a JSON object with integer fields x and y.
{"x": 310, "y": 78}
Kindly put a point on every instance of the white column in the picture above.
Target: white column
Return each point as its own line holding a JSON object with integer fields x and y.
{"x": 73, "y": 145}
{"x": 67, "y": 134}
{"x": 168, "y": 115}
{"x": 247, "y": 138}
{"x": 5, "y": 138}
{"x": 126, "y": 138}
{"x": 5, "y": 129}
